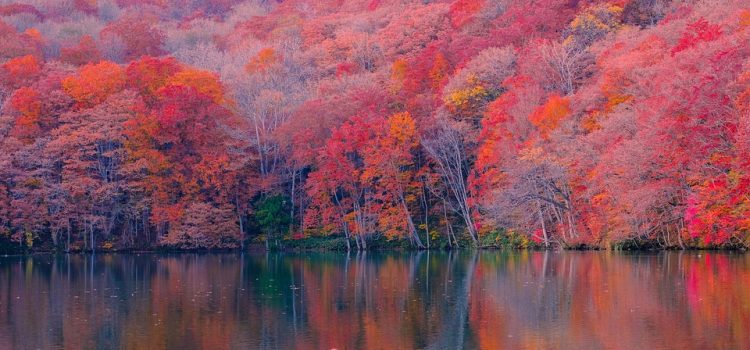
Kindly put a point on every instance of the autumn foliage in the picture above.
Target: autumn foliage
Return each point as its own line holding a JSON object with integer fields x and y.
{"x": 565, "y": 123}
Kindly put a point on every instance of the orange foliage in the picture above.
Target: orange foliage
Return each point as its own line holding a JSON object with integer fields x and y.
{"x": 398, "y": 74}
{"x": 29, "y": 104}
{"x": 548, "y": 116}
{"x": 150, "y": 74}
{"x": 94, "y": 83}
{"x": 439, "y": 71}
{"x": 745, "y": 18}
{"x": 263, "y": 61}
{"x": 202, "y": 81}
{"x": 402, "y": 129}
{"x": 21, "y": 69}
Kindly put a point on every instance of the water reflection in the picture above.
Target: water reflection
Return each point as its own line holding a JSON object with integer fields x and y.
{"x": 489, "y": 300}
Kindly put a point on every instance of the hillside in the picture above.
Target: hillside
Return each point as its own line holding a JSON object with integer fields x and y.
{"x": 212, "y": 124}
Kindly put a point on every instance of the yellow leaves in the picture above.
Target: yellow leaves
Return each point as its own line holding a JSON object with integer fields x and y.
{"x": 587, "y": 20}
{"x": 94, "y": 83}
{"x": 594, "y": 22}
{"x": 548, "y": 116}
{"x": 262, "y": 61}
{"x": 598, "y": 17}
{"x": 465, "y": 99}
{"x": 202, "y": 81}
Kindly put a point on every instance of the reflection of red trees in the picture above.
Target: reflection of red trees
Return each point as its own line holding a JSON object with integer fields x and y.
{"x": 523, "y": 300}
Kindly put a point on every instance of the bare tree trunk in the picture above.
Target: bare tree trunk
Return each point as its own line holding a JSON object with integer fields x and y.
{"x": 446, "y": 148}
{"x": 291, "y": 197}
{"x": 239, "y": 217}
{"x": 67, "y": 247}
{"x": 410, "y": 223}
{"x": 544, "y": 226}
{"x": 426, "y": 217}
{"x": 242, "y": 232}
{"x": 448, "y": 225}
{"x": 91, "y": 232}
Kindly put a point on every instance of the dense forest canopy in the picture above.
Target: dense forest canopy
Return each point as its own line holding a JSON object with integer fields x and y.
{"x": 208, "y": 124}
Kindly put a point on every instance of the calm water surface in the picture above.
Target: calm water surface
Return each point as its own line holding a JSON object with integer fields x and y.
{"x": 489, "y": 300}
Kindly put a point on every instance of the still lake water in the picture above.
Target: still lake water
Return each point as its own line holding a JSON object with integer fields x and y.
{"x": 438, "y": 300}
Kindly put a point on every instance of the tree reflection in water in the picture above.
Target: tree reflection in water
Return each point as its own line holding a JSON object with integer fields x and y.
{"x": 436, "y": 300}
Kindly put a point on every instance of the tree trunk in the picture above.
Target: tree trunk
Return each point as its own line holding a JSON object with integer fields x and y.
{"x": 544, "y": 226}
{"x": 410, "y": 223}
{"x": 67, "y": 247}
{"x": 426, "y": 217}
{"x": 242, "y": 233}
{"x": 449, "y": 227}
{"x": 291, "y": 198}
{"x": 91, "y": 232}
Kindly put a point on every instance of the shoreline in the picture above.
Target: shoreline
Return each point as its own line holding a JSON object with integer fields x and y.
{"x": 258, "y": 248}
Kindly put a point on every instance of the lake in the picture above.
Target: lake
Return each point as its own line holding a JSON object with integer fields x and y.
{"x": 375, "y": 300}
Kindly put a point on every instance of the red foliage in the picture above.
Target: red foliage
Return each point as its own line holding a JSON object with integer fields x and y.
{"x": 149, "y": 74}
{"x": 84, "y": 53}
{"x": 697, "y": 32}
{"x": 14, "y": 44}
{"x": 28, "y": 103}
{"x": 21, "y": 70}
{"x": 140, "y": 36}
{"x": 462, "y": 11}
{"x": 16, "y": 8}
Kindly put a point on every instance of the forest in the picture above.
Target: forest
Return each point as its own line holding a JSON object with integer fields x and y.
{"x": 219, "y": 124}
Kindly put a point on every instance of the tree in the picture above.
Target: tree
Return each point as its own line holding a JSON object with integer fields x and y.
{"x": 204, "y": 226}
{"x": 94, "y": 83}
{"x": 479, "y": 82}
{"x": 182, "y": 144}
{"x": 138, "y": 34}
{"x": 85, "y": 52}
{"x": 566, "y": 64}
{"x": 21, "y": 70}
{"x": 447, "y": 149}
{"x": 390, "y": 167}
{"x": 341, "y": 200}
{"x": 148, "y": 75}
{"x": 272, "y": 215}
{"x": 548, "y": 116}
